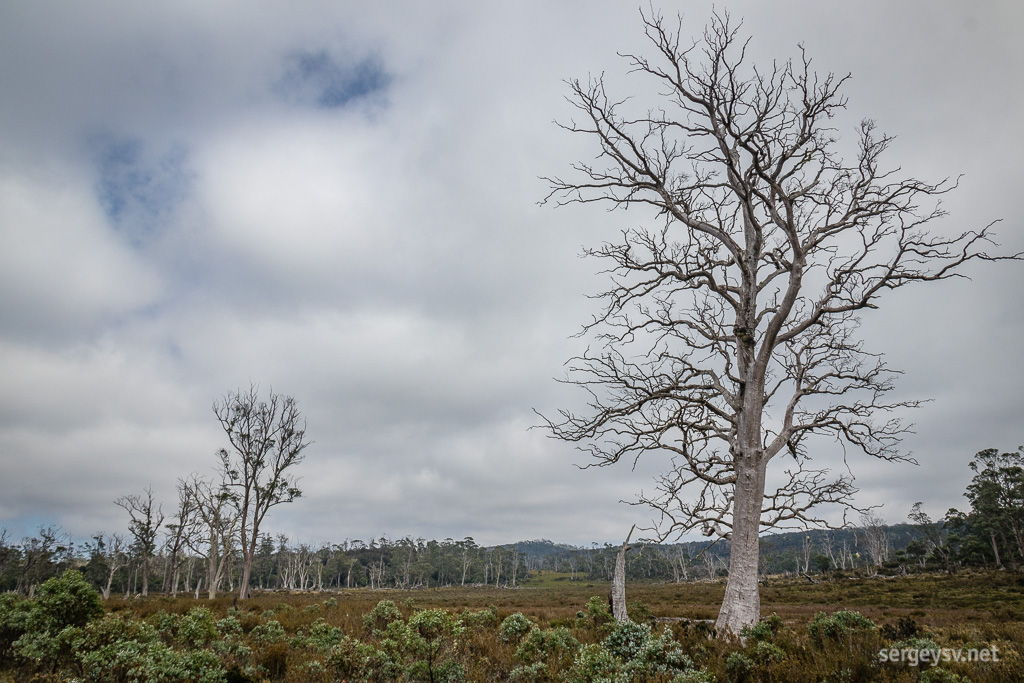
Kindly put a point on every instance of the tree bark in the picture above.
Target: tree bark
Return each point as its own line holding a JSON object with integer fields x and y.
{"x": 995, "y": 548}
{"x": 619, "y": 609}
{"x": 243, "y": 591}
{"x": 742, "y": 603}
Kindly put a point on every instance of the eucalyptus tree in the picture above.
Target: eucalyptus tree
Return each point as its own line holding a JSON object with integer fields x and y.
{"x": 728, "y": 334}
{"x": 146, "y": 517}
{"x": 112, "y": 551}
{"x": 267, "y": 440}
{"x": 176, "y": 539}
{"x": 996, "y": 494}
{"x": 212, "y": 525}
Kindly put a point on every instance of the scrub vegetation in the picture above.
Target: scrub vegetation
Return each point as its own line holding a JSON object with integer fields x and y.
{"x": 560, "y": 630}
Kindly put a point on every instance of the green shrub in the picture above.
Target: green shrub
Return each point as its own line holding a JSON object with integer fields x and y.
{"x": 660, "y": 654}
{"x": 594, "y": 664}
{"x": 514, "y": 627}
{"x": 640, "y": 612}
{"x": 921, "y": 643}
{"x": 424, "y": 648}
{"x": 939, "y": 675}
{"x": 195, "y": 629}
{"x": 44, "y": 650}
{"x": 481, "y": 619}
{"x": 384, "y": 613}
{"x": 352, "y": 659}
{"x": 65, "y": 600}
{"x": 631, "y": 652}
{"x": 231, "y": 650}
{"x": 764, "y": 630}
{"x": 117, "y": 650}
{"x": 767, "y": 654}
{"x": 556, "y": 647}
{"x": 834, "y": 626}
{"x": 626, "y": 641}
{"x": 270, "y": 632}
{"x": 323, "y": 636}
{"x": 695, "y": 676}
{"x": 532, "y": 673}
{"x": 229, "y": 627}
{"x": 739, "y": 666}
{"x": 597, "y": 613}
{"x": 13, "y": 621}
{"x": 150, "y": 663}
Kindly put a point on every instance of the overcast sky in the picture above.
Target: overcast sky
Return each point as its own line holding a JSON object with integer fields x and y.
{"x": 339, "y": 200}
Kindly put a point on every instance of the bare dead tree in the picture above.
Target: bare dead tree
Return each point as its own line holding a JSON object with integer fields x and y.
{"x": 827, "y": 541}
{"x": 806, "y": 551}
{"x": 618, "y": 590}
{"x": 728, "y": 335}
{"x": 875, "y": 535}
{"x": 146, "y": 518}
{"x": 267, "y": 439}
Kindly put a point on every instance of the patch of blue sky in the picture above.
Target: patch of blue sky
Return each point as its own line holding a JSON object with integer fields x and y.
{"x": 315, "y": 78}
{"x": 138, "y": 190}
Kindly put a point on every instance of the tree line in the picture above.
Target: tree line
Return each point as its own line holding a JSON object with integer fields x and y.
{"x": 165, "y": 555}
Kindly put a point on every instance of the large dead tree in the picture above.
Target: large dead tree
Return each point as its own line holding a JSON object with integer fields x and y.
{"x": 728, "y": 335}
{"x": 267, "y": 439}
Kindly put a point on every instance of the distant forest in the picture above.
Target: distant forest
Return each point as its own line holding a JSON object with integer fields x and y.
{"x": 418, "y": 563}
{"x": 163, "y": 557}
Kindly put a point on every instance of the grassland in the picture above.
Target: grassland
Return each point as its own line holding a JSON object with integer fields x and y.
{"x": 932, "y": 600}
{"x": 960, "y": 611}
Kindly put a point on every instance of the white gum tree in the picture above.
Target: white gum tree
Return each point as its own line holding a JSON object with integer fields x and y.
{"x": 728, "y": 335}
{"x": 267, "y": 439}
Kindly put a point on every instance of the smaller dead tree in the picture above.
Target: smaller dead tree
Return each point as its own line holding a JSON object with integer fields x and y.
{"x": 876, "y": 539}
{"x": 618, "y": 596}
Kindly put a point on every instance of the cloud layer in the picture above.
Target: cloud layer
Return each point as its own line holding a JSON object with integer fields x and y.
{"x": 339, "y": 201}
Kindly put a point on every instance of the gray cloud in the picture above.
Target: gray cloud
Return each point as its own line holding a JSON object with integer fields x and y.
{"x": 340, "y": 201}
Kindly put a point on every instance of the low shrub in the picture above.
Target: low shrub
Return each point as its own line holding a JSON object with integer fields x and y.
{"x": 837, "y": 625}
{"x": 764, "y": 630}
{"x": 514, "y": 627}
{"x": 484, "y": 618}
{"x": 65, "y": 600}
{"x": 555, "y": 648}
{"x": 377, "y": 619}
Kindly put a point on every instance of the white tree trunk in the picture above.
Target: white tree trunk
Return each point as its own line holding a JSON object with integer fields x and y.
{"x": 619, "y": 586}
{"x": 742, "y": 603}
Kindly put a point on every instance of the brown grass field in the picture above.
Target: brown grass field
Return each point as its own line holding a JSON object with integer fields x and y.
{"x": 936, "y": 601}
{"x": 962, "y": 610}
{"x": 323, "y": 637}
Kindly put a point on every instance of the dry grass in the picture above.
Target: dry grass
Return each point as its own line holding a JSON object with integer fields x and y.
{"x": 967, "y": 610}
